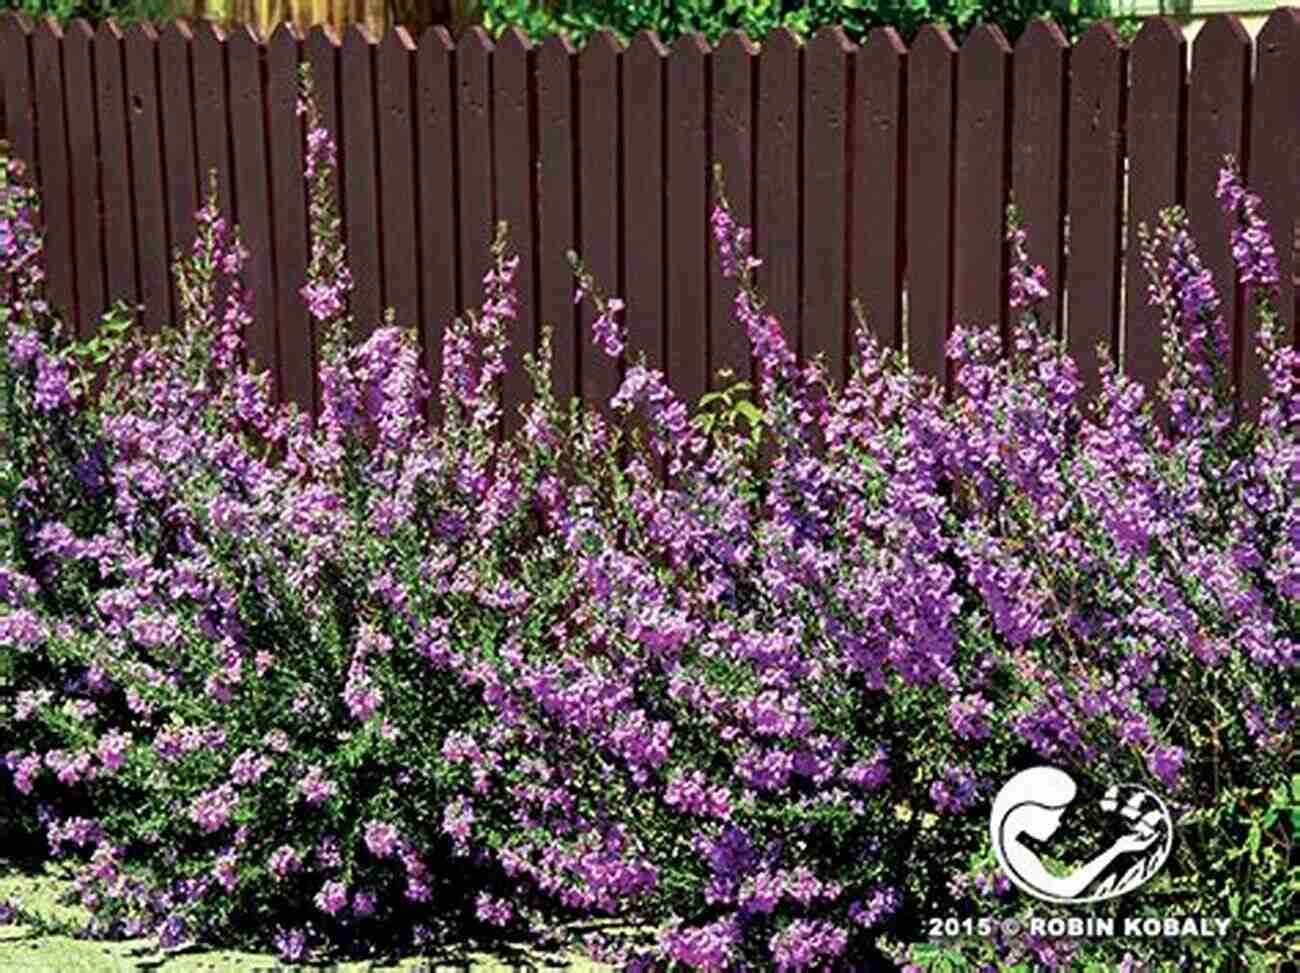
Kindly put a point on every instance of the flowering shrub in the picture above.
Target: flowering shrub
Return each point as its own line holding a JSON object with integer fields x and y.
{"x": 344, "y": 681}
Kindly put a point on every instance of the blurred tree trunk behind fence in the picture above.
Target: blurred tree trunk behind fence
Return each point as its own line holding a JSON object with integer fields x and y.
{"x": 376, "y": 16}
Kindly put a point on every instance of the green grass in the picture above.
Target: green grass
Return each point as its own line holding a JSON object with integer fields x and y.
{"x": 24, "y": 949}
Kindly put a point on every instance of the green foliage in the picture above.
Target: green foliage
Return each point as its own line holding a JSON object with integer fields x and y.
{"x": 579, "y": 18}
{"x": 122, "y": 11}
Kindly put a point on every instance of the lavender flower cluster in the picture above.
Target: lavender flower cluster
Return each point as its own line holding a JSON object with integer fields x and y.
{"x": 388, "y": 680}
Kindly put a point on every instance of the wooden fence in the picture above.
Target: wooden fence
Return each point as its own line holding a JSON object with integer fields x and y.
{"x": 877, "y": 171}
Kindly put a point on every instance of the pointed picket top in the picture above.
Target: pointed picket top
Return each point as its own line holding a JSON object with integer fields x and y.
{"x": 1100, "y": 38}
{"x": 16, "y": 20}
{"x": 1281, "y": 25}
{"x": 986, "y": 39}
{"x": 735, "y": 43}
{"x": 1042, "y": 36}
{"x": 884, "y": 40}
{"x": 79, "y": 31}
{"x": 781, "y": 39}
{"x": 243, "y": 36}
{"x": 356, "y": 36}
{"x": 556, "y": 47}
{"x": 692, "y": 44}
{"x": 439, "y": 36}
{"x": 207, "y": 33}
{"x": 322, "y": 37}
{"x": 933, "y": 37}
{"x": 601, "y": 45}
{"x": 48, "y": 27}
{"x": 286, "y": 34}
{"x": 514, "y": 39}
{"x": 396, "y": 40}
{"x": 141, "y": 32}
{"x": 476, "y": 39}
{"x": 176, "y": 33}
{"x": 1158, "y": 33}
{"x": 831, "y": 38}
{"x": 646, "y": 43}
{"x": 1221, "y": 31}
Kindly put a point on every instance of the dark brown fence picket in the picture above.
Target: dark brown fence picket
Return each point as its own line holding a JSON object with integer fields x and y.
{"x": 1157, "y": 114}
{"x": 598, "y": 230}
{"x": 56, "y": 173}
{"x": 557, "y": 227}
{"x": 297, "y": 349}
{"x": 1216, "y": 126}
{"x": 687, "y": 153}
{"x": 643, "y": 197}
{"x": 981, "y": 180}
{"x": 115, "y": 167}
{"x": 83, "y": 150}
{"x": 255, "y": 203}
{"x": 877, "y": 188}
{"x": 1275, "y": 173}
{"x": 179, "y": 166}
{"x": 153, "y": 252}
{"x": 1096, "y": 159}
{"x": 777, "y": 208}
{"x": 435, "y": 132}
{"x": 732, "y": 148}
{"x": 361, "y": 177}
{"x": 1038, "y": 154}
{"x": 474, "y": 137}
{"x": 824, "y": 304}
{"x": 878, "y": 171}
{"x": 931, "y": 79}
{"x": 512, "y": 115}
{"x": 394, "y": 77}
{"x": 20, "y": 106}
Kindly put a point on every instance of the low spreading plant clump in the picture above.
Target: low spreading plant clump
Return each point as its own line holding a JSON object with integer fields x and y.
{"x": 363, "y": 681}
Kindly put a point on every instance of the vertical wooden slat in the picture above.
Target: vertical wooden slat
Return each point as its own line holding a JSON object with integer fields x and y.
{"x": 733, "y": 148}
{"x": 115, "y": 167}
{"x": 512, "y": 116}
{"x": 931, "y": 77}
{"x": 876, "y": 233}
{"x": 180, "y": 166}
{"x": 778, "y": 181}
{"x": 360, "y": 175}
{"x": 212, "y": 127}
{"x": 144, "y": 127}
{"x": 321, "y": 51}
{"x": 83, "y": 150}
{"x": 643, "y": 195}
{"x": 1095, "y": 169}
{"x": 253, "y": 190}
{"x": 598, "y": 119}
{"x": 435, "y": 148}
{"x": 56, "y": 176}
{"x": 981, "y": 179}
{"x": 20, "y": 111}
{"x": 394, "y": 70}
{"x": 322, "y": 54}
{"x": 1275, "y": 173}
{"x": 474, "y": 121}
{"x": 1039, "y": 130}
{"x": 1156, "y": 121}
{"x": 556, "y": 214}
{"x": 1216, "y": 126}
{"x": 688, "y": 218}
{"x": 824, "y": 303}
{"x": 297, "y": 350}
